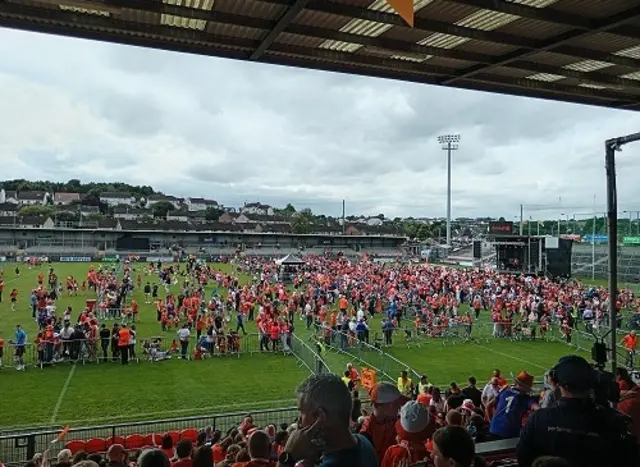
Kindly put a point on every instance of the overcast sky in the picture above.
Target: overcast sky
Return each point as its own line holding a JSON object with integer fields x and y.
{"x": 236, "y": 132}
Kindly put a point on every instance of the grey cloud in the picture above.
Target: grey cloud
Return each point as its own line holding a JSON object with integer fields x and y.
{"x": 200, "y": 126}
{"x": 133, "y": 114}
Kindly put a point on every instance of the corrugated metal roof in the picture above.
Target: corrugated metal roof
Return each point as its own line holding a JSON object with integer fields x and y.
{"x": 575, "y": 50}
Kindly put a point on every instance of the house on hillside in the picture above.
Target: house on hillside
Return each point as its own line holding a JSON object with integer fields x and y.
{"x": 257, "y": 208}
{"x": 64, "y": 199}
{"x": 228, "y": 217}
{"x": 261, "y": 219}
{"x": 178, "y": 215}
{"x": 155, "y": 199}
{"x": 36, "y": 222}
{"x": 197, "y": 216}
{"x": 116, "y": 198}
{"x": 86, "y": 210}
{"x": 8, "y": 196}
{"x": 130, "y": 213}
{"x": 30, "y": 198}
{"x": 8, "y": 209}
{"x": 200, "y": 204}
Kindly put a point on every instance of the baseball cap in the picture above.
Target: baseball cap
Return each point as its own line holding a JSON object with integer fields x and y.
{"x": 414, "y": 422}
{"x": 574, "y": 372}
{"x": 386, "y": 393}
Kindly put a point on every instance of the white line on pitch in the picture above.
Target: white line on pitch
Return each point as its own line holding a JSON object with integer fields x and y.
{"x": 63, "y": 393}
{"x": 512, "y": 357}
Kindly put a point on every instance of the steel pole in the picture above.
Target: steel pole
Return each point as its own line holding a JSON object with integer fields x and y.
{"x": 612, "y": 215}
{"x": 448, "y": 197}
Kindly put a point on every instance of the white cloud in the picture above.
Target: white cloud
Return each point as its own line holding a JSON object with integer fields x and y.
{"x": 198, "y": 126}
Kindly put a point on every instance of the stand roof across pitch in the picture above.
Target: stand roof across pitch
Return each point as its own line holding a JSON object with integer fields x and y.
{"x": 584, "y": 51}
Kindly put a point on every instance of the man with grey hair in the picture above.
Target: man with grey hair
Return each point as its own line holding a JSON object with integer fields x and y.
{"x": 323, "y": 433}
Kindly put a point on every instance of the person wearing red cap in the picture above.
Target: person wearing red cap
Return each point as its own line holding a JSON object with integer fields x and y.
{"x": 511, "y": 404}
{"x": 380, "y": 426}
{"x": 414, "y": 428}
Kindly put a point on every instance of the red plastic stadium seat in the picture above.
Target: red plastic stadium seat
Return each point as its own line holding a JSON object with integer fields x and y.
{"x": 95, "y": 445}
{"x": 191, "y": 434}
{"x": 115, "y": 440}
{"x": 135, "y": 442}
{"x": 75, "y": 446}
{"x": 175, "y": 436}
{"x": 153, "y": 440}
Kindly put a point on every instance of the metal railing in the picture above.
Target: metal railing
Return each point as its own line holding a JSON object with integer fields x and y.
{"x": 363, "y": 349}
{"x": 17, "y": 448}
{"x": 151, "y": 349}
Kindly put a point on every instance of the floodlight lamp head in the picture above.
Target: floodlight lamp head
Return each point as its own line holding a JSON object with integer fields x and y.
{"x": 444, "y": 139}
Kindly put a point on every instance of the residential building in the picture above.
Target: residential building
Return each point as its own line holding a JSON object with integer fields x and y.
{"x": 86, "y": 210}
{"x": 130, "y": 213}
{"x": 8, "y": 209}
{"x": 64, "y": 199}
{"x": 178, "y": 215}
{"x": 257, "y": 208}
{"x": 197, "y": 216}
{"x": 8, "y": 196}
{"x": 30, "y": 198}
{"x": 36, "y": 222}
{"x": 116, "y": 198}
{"x": 261, "y": 219}
{"x": 200, "y": 204}
{"x": 228, "y": 217}
{"x": 154, "y": 199}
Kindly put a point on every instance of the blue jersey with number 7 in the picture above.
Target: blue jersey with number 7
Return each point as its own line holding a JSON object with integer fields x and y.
{"x": 511, "y": 407}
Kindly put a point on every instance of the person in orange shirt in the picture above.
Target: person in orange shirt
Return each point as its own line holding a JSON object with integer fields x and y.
{"x": 134, "y": 309}
{"x": 630, "y": 343}
{"x": 13, "y": 296}
{"x": 123, "y": 343}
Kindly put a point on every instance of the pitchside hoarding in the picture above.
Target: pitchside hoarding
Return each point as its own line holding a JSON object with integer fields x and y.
{"x": 597, "y": 239}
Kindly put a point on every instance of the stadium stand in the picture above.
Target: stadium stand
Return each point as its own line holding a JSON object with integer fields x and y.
{"x": 584, "y": 257}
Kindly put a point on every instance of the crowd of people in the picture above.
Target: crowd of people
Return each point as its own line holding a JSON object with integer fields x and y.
{"x": 407, "y": 423}
{"x": 336, "y": 296}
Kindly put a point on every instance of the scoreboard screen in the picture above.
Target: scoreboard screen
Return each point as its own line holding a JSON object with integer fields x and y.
{"x": 500, "y": 228}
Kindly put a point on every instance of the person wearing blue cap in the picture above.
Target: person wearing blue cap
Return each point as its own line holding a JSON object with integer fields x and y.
{"x": 575, "y": 427}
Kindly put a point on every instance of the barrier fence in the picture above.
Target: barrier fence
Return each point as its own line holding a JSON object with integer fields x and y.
{"x": 151, "y": 349}
{"x": 17, "y": 448}
{"x": 580, "y": 337}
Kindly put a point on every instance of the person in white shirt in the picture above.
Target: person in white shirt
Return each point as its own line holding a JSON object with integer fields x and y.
{"x": 183, "y": 336}
{"x": 490, "y": 391}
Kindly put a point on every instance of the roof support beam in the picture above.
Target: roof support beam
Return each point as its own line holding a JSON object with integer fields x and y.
{"x": 551, "y": 44}
{"x": 430, "y": 26}
{"x": 547, "y": 14}
{"x": 280, "y": 26}
{"x": 383, "y": 43}
{"x": 349, "y": 11}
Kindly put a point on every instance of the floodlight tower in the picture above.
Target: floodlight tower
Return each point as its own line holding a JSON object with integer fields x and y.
{"x": 449, "y": 143}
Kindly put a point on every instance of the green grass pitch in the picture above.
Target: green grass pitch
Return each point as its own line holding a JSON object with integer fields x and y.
{"x": 110, "y": 393}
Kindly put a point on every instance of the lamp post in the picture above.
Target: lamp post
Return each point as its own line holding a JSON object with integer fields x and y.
{"x": 611, "y": 146}
{"x": 449, "y": 143}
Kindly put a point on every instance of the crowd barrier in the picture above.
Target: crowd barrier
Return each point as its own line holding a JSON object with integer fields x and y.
{"x": 578, "y": 338}
{"x": 85, "y": 351}
{"x": 364, "y": 351}
{"x": 17, "y": 448}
